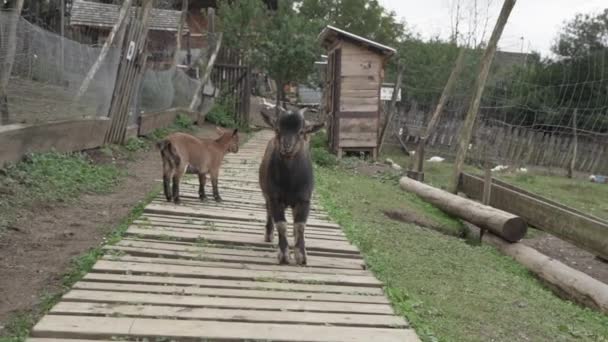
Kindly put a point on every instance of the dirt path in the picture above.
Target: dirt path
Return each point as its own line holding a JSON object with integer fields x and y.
{"x": 38, "y": 251}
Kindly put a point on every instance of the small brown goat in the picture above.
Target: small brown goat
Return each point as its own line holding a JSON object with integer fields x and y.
{"x": 204, "y": 156}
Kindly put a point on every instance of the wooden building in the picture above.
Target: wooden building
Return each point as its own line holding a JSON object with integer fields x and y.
{"x": 354, "y": 76}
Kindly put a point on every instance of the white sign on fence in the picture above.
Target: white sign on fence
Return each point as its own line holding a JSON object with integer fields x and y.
{"x": 386, "y": 93}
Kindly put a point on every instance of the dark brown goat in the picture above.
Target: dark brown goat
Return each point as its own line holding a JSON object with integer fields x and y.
{"x": 204, "y": 156}
{"x": 286, "y": 179}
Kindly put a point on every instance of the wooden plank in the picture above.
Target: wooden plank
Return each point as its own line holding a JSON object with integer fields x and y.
{"x": 244, "y": 239}
{"x": 358, "y": 143}
{"x": 269, "y": 259}
{"x": 360, "y": 83}
{"x": 231, "y": 284}
{"x": 201, "y": 212}
{"x": 100, "y": 327}
{"x": 224, "y": 302}
{"x": 173, "y": 312}
{"x": 233, "y": 265}
{"x": 234, "y": 293}
{"x": 215, "y": 273}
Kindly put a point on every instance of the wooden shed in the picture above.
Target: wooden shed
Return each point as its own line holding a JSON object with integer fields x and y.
{"x": 351, "y": 94}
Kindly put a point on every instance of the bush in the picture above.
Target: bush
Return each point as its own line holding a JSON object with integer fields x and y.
{"x": 222, "y": 113}
{"x": 322, "y": 157}
{"x": 183, "y": 122}
{"x": 135, "y": 144}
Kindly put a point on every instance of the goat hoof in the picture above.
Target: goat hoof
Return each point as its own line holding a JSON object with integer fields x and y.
{"x": 300, "y": 257}
{"x": 169, "y": 199}
{"x": 217, "y": 198}
{"x": 268, "y": 237}
{"x": 177, "y": 201}
{"x": 203, "y": 198}
{"x": 284, "y": 258}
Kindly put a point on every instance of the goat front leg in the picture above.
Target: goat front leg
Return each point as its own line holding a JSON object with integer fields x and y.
{"x": 300, "y": 216}
{"x": 177, "y": 176}
{"x": 214, "y": 180}
{"x": 278, "y": 216}
{"x": 202, "y": 179}
{"x": 269, "y": 234}
{"x": 167, "y": 171}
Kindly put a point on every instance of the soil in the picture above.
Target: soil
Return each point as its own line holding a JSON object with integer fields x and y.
{"x": 570, "y": 255}
{"x": 37, "y": 250}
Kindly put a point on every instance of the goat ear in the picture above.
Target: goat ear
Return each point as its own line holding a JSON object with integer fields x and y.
{"x": 235, "y": 132}
{"x": 219, "y": 130}
{"x": 302, "y": 111}
{"x": 309, "y": 129}
{"x": 268, "y": 120}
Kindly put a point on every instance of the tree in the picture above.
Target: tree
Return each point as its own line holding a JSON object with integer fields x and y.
{"x": 243, "y": 25}
{"x": 366, "y": 18}
{"x": 288, "y": 49}
{"x": 584, "y": 35}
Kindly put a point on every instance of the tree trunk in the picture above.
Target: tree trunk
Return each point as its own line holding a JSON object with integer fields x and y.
{"x": 122, "y": 16}
{"x": 9, "y": 59}
{"x": 391, "y": 107}
{"x": 508, "y": 226}
{"x": 480, "y": 82}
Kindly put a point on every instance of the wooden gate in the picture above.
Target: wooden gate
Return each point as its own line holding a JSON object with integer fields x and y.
{"x": 130, "y": 69}
{"x": 233, "y": 79}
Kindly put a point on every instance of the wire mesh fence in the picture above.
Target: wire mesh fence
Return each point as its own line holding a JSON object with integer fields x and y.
{"x": 527, "y": 115}
{"x": 48, "y": 70}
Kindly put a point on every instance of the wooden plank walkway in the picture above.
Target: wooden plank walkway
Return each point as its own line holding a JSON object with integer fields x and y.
{"x": 202, "y": 271}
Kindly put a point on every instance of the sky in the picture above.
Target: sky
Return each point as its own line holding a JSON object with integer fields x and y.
{"x": 537, "y": 21}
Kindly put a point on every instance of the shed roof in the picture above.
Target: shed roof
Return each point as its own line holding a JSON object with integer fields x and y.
{"x": 95, "y": 14}
{"x": 331, "y": 33}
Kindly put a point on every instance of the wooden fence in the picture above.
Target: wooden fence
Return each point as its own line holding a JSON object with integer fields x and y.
{"x": 233, "y": 79}
{"x": 511, "y": 145}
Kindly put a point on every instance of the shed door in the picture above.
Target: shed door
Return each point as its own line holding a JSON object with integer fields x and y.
{"x": 333, "y": 100}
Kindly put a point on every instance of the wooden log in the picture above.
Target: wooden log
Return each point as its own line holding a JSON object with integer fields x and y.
{"x": 508, "y": 226}
{"x": 565, "y": 281}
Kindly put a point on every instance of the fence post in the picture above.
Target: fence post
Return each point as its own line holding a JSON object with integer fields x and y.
{"x": 480, "y": 82}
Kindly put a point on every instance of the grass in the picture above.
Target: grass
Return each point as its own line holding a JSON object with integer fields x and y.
{"x": 447, "y": 289}
{"x": 578, "y": 193}
{"x": 17, "y": 329}
{"x": 49, "y": 178}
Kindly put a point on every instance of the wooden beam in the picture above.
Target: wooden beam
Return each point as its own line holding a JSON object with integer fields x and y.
{"x": 391, "y": 108}
{"x": 207, "y": 73}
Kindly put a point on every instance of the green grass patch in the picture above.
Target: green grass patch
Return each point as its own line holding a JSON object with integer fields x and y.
{"x": 52, "y": 177}
{"x": 17, "y": 329}
{"x": 448, "y": 290}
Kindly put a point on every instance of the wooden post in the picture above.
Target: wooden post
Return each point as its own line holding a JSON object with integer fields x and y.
{"x": 180, "y": 30}
{"x": 574, "y": 145}
{"x": 391, "y": 108}
{"x": 9, "y": 59}
{"x": 447, "y": 91}
{"x": 206, "y": 74}
{"x": 62, "y": 32}
{"x": 122, "y": 16}
{"x": 480, "y": 82}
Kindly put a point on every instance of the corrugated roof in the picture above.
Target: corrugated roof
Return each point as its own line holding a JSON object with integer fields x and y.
{"x": 95, "y": 14}
{"x": 329, "y": 30}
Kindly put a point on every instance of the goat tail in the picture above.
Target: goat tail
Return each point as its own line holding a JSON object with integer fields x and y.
{"x": 169, "y": 153}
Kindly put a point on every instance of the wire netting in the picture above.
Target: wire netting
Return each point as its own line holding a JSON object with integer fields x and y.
{"x": 47, "y": 72}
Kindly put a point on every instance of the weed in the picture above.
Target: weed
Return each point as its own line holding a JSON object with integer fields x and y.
{"x": 222, "y": 113}
{"x": 183, "y": 122}
{"x": 52, "y": 177}
{"x": 136, "y": 144}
